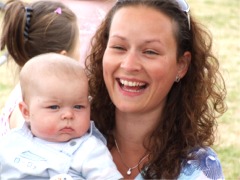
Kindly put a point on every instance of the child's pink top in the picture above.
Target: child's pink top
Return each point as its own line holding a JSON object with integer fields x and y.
{"x": 89, "y": 14}
{"x": 13, "y": 101}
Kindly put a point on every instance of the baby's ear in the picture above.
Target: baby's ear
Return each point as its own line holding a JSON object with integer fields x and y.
{"x": 25, "y": 111}
{"x": 184, "y": 63}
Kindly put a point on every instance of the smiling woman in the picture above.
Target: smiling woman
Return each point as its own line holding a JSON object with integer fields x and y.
{"x": 145, "y": 52}
{"x": 156, "y": 90}
{"x": 225, "y": 28}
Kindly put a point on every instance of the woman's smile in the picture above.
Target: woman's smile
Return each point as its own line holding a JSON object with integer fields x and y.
{"x": 131, "y": 85}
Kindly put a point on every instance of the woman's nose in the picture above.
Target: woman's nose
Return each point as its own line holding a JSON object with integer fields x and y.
{"x": 131, "y": 62}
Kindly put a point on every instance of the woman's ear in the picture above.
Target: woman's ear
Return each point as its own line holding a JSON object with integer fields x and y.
{"x": 183, "y": 64}
{"x": 25, "y": 111}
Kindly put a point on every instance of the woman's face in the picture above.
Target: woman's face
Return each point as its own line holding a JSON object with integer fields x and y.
{"x": 139, "y": 63}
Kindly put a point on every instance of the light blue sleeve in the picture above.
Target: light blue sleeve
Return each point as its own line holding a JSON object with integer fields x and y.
{"x": 205, "y": 166}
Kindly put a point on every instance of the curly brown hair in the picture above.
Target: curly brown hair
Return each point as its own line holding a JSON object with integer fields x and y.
{"x": 48, "y": 31}
{"x": 193, "y": 104}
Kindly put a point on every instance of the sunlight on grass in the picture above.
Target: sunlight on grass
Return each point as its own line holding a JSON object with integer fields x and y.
{"x": 230, "y": 155}
{"x": 223, "y": 20}
{"x": 8, "y": 78}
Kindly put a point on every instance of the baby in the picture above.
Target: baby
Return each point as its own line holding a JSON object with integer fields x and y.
{"x": 57, "y": 136}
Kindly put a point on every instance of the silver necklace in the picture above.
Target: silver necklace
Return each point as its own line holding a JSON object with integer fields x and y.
{"x": 129, "y": 171}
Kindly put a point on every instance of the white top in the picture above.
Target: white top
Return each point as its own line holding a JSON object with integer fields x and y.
{"x": 23, "y": 156}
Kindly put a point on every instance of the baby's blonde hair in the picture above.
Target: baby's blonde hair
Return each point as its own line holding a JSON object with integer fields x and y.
{"x": 48, "y": 65}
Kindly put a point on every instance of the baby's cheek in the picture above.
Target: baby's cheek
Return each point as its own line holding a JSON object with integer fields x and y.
{"x": 51, "y": 130}
{"x": 48, "y": 131}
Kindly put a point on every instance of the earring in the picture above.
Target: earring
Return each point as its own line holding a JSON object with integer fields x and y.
{"x": 177, "y": 79}
{"x": 89, "y": 98}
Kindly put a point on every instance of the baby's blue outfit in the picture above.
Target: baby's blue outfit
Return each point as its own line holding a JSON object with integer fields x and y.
{"x": 23, "y": 156}
{"x": 205, "y": 166}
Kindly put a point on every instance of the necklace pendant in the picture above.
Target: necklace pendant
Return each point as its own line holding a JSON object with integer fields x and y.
{"x": 129, "y": 171}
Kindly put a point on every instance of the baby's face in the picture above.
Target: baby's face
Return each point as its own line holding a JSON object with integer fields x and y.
{"x": 60, "y": 109}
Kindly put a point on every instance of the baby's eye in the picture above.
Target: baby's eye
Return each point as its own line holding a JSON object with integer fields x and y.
{"x": 78, "y": 106}
{"x": 54, "y": 107}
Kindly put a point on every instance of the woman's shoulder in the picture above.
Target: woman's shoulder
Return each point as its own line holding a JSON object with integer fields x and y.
{"x": 203, "y": 163}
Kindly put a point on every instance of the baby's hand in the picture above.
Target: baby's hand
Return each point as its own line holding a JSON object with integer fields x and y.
{"x": 61, "y": 177}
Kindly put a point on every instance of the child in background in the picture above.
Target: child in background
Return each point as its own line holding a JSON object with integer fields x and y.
{"x": 30, "y": 29}
{"x": 57, "y": 136}
{"x": 90, "y": 15}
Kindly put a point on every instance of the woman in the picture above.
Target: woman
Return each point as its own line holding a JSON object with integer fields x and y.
{"x": 156, "y": 90}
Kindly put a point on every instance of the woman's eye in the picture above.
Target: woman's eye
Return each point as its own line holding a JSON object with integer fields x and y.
{"x": 78, "y": 106}
{"x": 118, "y": 47}
{"x": 151, "y": 52}
{"x": 54, "y": 107}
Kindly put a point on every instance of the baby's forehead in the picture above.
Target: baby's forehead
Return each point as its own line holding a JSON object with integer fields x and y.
{"x": 44, "y": 67}
{"x": 54, "y": 63}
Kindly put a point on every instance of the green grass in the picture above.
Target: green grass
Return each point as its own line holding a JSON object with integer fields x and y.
{"x": 222, "y": 17}
{"x": 230, "y": 161}
{"x": 8, "y": 79}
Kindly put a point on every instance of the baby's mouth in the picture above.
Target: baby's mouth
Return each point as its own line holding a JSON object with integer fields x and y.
{"x": 67, "y": 129}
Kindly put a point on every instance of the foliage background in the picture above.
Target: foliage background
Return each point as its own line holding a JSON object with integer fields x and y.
{"x": 222, "y": 17}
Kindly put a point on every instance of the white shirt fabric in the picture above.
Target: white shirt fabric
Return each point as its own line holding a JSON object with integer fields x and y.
{"x": 23, "y": 156}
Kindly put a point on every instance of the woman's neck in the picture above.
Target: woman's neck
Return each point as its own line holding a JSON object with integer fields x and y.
{"x": 131, "y": 135}
{"x": 135, "y": 128}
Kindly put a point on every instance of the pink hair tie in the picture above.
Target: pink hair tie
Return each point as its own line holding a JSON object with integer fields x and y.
{"x": 58, "y": 11}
